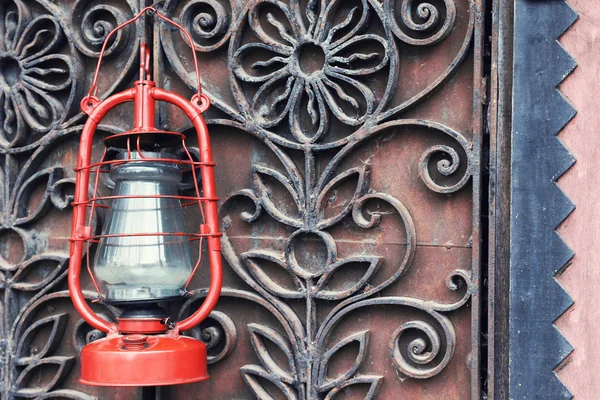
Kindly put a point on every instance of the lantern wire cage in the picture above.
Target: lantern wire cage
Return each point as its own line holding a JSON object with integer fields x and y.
{"x": 143, "y": 252}
{"x": 186, "y": 163}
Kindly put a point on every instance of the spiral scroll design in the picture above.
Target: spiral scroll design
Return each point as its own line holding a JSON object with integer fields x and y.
{"x": 208, "y": 21}
{"x": 219, "y": 334}
{"x": 428, "y": 29}
{"x": 84, "y": 334}
{"x": 445, "y": 166}
{"x": 93, "y": 21}
{"x": 422, "y": 351}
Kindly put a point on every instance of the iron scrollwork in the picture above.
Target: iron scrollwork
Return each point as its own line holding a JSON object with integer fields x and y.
{"x": 316, "y": 78}
{"x": 303, "y": 73}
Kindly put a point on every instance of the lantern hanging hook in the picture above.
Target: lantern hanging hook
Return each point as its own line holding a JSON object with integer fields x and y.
{"x": 200, "y": 100}
{"x": 155, "y": 6}
{"x": 145, "y": 62}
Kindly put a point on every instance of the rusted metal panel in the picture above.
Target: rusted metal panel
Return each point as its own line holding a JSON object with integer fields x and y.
{"x": 348, "y": 141}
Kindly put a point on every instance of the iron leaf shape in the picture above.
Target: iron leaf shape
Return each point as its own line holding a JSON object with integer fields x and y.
{"x": 258, "y": 335}
{"x": 325, "y": 383}
{"x": 253, "y": 374}
{"x": 31, "y": 274}
{"x": 372, "y": 263}
{"x": 265, "y": 194}
{"x": 251, "y": 259}
{"x": 373, "y": 381}
{"x": 25, "y": 378}
{"x": 57, "y": 323}
{"x": 22, "y": 213}
{"x": 66, "y": 394}
{"x": 362, "y": 184}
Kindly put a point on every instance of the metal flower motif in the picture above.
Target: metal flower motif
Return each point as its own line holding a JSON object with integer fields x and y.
{"x": 32, "y": 75}
{"x": 306, "y": 73}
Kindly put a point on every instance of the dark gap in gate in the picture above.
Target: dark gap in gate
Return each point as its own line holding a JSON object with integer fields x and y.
{"x": 485, "y": 195}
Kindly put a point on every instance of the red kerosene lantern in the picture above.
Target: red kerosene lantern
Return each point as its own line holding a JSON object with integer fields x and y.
{"x": 143, "y": 253}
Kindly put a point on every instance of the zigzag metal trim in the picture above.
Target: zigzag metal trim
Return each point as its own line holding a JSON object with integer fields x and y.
{"x": 538, "y": 205}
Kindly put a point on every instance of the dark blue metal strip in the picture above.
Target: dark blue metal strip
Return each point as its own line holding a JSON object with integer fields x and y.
{"x": 538, "y": 205}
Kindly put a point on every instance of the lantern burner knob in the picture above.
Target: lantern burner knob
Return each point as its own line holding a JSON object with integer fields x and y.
{"x": 135, "y": 342}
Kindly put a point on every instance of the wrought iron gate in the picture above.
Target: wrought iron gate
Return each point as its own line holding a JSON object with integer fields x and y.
{"x": 347, "y": 135}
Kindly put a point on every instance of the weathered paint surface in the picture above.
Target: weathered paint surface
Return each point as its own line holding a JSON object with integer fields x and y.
{"x": 538, "y": 205}
{"x": 581, "y": 230}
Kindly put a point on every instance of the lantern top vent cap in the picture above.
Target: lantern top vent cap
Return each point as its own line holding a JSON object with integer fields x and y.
{"x": 145, "y": 138}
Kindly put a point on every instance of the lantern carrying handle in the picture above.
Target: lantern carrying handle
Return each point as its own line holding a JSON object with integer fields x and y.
{"x": 199, "y": 98}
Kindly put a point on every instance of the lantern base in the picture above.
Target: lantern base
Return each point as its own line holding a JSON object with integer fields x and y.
{"x": 140, "y": 360}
